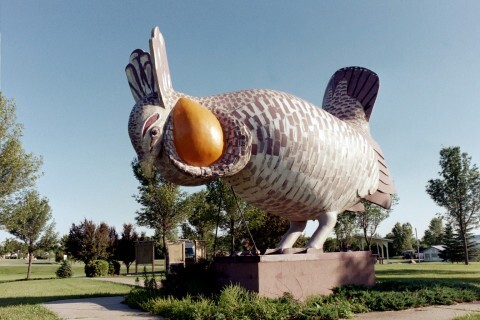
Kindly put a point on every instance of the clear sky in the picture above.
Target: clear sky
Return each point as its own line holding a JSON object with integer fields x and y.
{"x": 63, "y": 63}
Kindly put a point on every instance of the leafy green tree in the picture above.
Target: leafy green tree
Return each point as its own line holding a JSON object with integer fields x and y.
{"x": 331, "y": 245}
{"x": 126, "y": 245}
{"x": 163, "y": 205}
{"x": 222, "y": 200}
{"x": 201, "y": 223}
{"x": 238, "y": 220}
{"x": 458, "y": 192}
{"x": 345, "y": 229}
{"x": 104, "y": 243}
{"x": 402, "y": 236}
{"x": 87, "y": 242}
{"x": 371, "y": 217}
{"x": 18, "y": 169}
{"x": 30, "y": 221}
{"x": 112, "y": 249}
{"x": 434, "y": 233}
{"x": 266, "y": 229}
{"x": 12, "y": 246}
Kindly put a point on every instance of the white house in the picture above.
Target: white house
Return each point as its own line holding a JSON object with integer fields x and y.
{"x": 431, "y": 253}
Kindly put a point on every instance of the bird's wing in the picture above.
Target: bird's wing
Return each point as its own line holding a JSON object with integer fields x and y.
{"x": 238, "y": 149}
{"x": 350, "y": 96}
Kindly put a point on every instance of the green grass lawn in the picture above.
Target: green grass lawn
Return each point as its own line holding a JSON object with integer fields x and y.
{"x": 22, "y": 299}
{"x": 473, "y": 316}
{"x": 12, "y": 269}
{"x": 38, "y": 291}
{"x": 430, "y": 270}
{"x": 16, "y": 269}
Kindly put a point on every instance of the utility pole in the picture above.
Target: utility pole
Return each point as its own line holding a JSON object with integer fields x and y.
{"x": 418, "y": 245}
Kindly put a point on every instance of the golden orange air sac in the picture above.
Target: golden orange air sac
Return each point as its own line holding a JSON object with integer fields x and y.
{"x": 197, "y": 133}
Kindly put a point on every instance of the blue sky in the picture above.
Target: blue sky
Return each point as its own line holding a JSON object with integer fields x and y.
{"x": 63, "y": 63}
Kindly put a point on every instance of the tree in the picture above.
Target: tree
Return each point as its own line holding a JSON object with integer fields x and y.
{"x": 345, "y": 229}
{"x": 240, "y": 220}
{"x": 126, "y": 245}
{"x": 266, "y": 229}
{"x": 434, "y": 233}
{"x": 221, "y": 198}
{"x": 103, "y": 243}
{"x": 402, "y": 236}
{"x": 30, "y": 222}
{"x": 12, "y": 246}
{"x": 201, "y": 222}
{"x": 18, "y": 169}
{"x": 371, "y": 217}
{"x": 458, "y": 192}
{"x": 163, "y": 205}
{"x": 87, "y": 242}
{"x": 331, "y": 245}
{"x": 453, "y": 246}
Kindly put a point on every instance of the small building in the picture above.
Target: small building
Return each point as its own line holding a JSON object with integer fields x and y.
{"x": 380, "y": 243}
{"x": 183, "y": 251}
{"x": 431, "y": 253}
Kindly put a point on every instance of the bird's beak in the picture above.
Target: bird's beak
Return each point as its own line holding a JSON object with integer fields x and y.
{"x": 147, "y": 167}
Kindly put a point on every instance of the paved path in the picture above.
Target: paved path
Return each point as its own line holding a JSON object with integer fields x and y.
{"x": 109, "y": 308}
{"x": 112, "y": 308}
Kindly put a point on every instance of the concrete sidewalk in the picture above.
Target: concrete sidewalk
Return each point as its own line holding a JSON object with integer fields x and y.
{"x": 111, "y": 308}
{"x": 108, "y": 308}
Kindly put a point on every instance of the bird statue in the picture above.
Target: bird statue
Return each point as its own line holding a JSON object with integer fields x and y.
{"x": 278, "y": 152}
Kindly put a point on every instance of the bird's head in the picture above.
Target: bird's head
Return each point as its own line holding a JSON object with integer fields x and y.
{"x": 187, "y": 142}
{"x": 148, "y": 76}
{"x": 145, "y": 128}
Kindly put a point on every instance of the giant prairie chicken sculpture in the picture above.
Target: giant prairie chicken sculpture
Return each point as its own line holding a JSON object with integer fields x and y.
{"x": 277, "y": 151}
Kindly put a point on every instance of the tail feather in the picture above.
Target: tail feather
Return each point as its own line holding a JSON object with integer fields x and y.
{"x": 350, "y": 96}
{"x": 361, "y": 90}
{"x": 162, "y": 70}
{"x": 141, "y": 78}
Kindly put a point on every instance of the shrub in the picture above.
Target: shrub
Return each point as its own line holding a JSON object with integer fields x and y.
{"x": 113, "y": 267}
{"x": 234, "y": 302}
{"x": 65, "y": 270}
{"x": 59, "y": 256}
{"x": 195, "y": 279}
{"x": 96, "y": 268}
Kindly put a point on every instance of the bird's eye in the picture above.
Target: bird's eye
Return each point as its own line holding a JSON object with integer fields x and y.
{"x": 154, "y": 132}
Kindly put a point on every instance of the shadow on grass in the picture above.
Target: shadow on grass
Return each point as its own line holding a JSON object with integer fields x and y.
{"x": 4, "y": 302}
{"x": 25, "y": 279}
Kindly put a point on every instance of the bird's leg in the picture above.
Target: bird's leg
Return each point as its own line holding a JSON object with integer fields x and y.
{"x": 326, "y": 223}
{"x": 295, "y": 230}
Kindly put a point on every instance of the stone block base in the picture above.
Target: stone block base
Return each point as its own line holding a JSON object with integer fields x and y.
{"x": 301, "y": 275}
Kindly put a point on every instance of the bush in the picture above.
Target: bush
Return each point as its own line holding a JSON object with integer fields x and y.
{"x": 234, "y": 302}
{"x": 194, "y": 280}
{"x": 113, "y": 267}
{"x": 59, "y": 256}
{"x": 96, "y": 268}
{"x": 65, "y": 270}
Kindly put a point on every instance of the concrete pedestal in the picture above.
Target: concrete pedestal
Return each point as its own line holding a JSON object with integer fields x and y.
{"x": 301, "y": 275}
